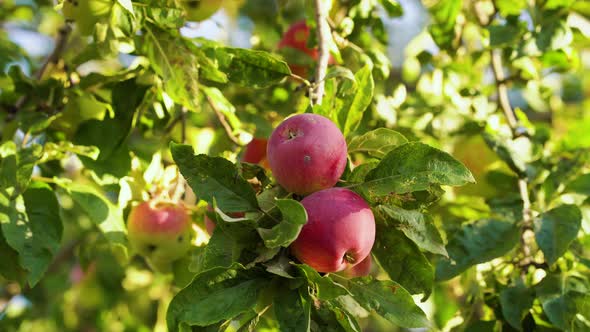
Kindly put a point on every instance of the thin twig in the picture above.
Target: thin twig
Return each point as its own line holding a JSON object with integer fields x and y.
{"x": 323, "y": 37}
{"x": 510, "y": 115}
{"x": 223, "y": 121}
{"x": 60, "y": 45}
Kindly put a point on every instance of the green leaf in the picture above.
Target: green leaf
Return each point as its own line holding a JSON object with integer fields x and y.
{"x": 32, "y": 227}
{"x": 174, "y": 61}
{"x": 354, "y": 105}
{"x": 292, "y": 311}
{"x": 556, "y": 229}
{"x": 418, "y": 227}
{"x": 516, "y": 302}
{"x": 221, "y": 251}
{"x": 580, "y": 185}
{"x": 215, "y": 178}
{"x": 102, "y": 212}
{"x": 214, "y": 295}
{"x": 554, "y": 36}
{"x": 413, "y": 167}
{"x": 403, "y": 261}
{"x": 10, "y": 268}
{"x": 388, "y": 299}
{"x": 502, "y": 35}
{"x": 282, "y": 234}
{"x": 477, "y": 243}
{"x": 251, "y": 68}
{"x": 224, "y": 106}
{"x": 392, "y": 7}
{"x": 376, "y": 143}
{"x": 510, "y": 7}
{"x": 444, "y": 14}
{"x": 569, "y": 312}
{"x": 324, "y": 287}
{"x": 16, "y": 166}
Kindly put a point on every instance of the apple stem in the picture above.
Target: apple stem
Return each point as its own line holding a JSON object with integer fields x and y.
{"x": 348, "y": 257}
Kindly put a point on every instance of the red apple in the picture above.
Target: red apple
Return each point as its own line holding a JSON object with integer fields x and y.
{"x": 339, "y": 233}
{"x": 361, "y": 269}
{"x": 255, "y": 151}
{"x": 296, "y": 37}
{"x": 160, "y": 231}
{"x": 307, "y": 153}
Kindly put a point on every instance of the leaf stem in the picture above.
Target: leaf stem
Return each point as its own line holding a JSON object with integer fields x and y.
{"x": 323, "y": 37}
{"x": 223, "y": 121}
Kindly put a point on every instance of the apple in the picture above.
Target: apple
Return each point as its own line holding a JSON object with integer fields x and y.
{"x": 255, "y": 151}
{"x": 361, "y": 269}
{"x": 339, "y": 233}
{"x": 307, "y": 153}
{"x": 86, "y": 13}
{"x": 160, "y": 231}
{"x": 199, "y": 10}
{"x": 296, "y": 37}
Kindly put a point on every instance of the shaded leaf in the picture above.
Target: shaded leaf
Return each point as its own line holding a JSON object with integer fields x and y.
{"x": 214, "y": 295}
{"x": 215, "y": 178}
{"x": 403, "y": 261}
{"x": 32, "y": 227}
{"x": 323, "y": 288}
{"x": 516, "y": 302}
{"x": 418, "y": 227}
{"x": 477, "y": 243}
{"x": 292, "y": 311}
{"x": 388, "y": 299}
{"x": 556, "y": 229}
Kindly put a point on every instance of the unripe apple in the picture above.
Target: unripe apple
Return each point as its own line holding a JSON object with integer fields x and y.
{"x": 296, "y": 37}
{"x": 307, "y": 153}
{"x": 199, "y": 10}
{"x": 339, "y": 233}
{"x": 160, "y": 231}
{"x": 255, "y": 151}
{"x": 361, "y": 269}
{"x": 86, "y": 13}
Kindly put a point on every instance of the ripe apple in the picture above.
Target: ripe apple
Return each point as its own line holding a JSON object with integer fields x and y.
{"x": 199, "y": 10}
{"x": 296, "y": 37}
{"x": 339, "y": 233}
{"x": 307, "y": 153}
{"x": 86, "y": 13}
{"x": 255, "y": 151}
{"x": 160, "y": 231}
{"x": 361, "y": 269}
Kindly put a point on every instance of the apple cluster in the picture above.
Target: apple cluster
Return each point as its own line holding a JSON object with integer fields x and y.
{"x": 307, "y": 154}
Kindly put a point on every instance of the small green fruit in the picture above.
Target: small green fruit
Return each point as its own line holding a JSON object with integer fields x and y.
{"x": 199, "y": 10}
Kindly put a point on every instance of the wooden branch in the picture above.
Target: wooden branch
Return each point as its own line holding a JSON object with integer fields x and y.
{"x": 223, "y": 121}
{"x": 323, "y": 36}
{"x": 60, "y": 45}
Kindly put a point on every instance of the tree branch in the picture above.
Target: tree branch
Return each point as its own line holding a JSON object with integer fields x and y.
{"x": 60, "y": 45}
{"x": 323, "y": 37}
{"x": 517, "y": 131}
{"x": 224, "y": 124}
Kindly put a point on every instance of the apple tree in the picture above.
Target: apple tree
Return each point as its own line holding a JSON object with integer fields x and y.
{"x": 304, "y": 165}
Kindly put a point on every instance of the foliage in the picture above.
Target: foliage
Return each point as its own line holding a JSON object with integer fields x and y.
{"x": 473, "y": 152}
